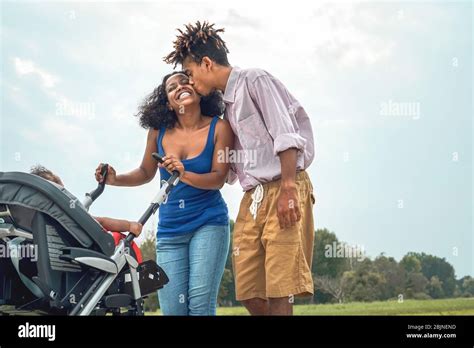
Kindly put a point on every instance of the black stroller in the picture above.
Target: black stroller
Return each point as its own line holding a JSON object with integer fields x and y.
{"x": 56, "y": 259}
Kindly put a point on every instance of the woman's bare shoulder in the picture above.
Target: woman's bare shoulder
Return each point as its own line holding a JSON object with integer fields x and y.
{"x": 223, "y": 125}
{"x": 153, "y": 133}
{"x": 223, "y": 129}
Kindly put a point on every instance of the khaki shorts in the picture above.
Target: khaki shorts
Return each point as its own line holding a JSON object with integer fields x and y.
{"x": 269, "y": 261}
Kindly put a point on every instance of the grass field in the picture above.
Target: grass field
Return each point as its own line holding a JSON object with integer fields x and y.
{"x": 455, "y": 306}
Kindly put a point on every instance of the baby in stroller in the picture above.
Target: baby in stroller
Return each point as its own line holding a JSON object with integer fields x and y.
{"x": 114, "y": 226}
{"x": 77, "y": 268}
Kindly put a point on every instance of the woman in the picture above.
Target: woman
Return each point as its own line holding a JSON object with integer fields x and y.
{"x": 193, "y": 229}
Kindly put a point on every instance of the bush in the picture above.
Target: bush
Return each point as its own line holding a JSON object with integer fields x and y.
{"x": 151, "y": 303}
{"x": 148, "y": 249}
{"x": 421, "y": 296}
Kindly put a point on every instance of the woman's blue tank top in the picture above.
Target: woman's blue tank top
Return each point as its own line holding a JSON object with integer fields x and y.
{"x": 189, "y": 208}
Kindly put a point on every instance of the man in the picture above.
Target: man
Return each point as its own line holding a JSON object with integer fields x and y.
{"x": 274, "y": 232}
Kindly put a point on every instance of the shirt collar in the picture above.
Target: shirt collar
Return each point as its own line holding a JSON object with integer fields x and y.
{"x": 229, "y": 93}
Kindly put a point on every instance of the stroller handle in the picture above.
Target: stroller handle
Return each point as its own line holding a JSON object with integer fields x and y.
{"x": 160, "y": 160}
{"x": 100, "y": 187}
{"x": 167, "y": 186}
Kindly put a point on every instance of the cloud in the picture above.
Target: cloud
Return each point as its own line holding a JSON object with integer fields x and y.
{"x": 27, "y": 67}
{"x": 72, "y": 139}
{"x": 64, "y": 127}
{"x": 64, "y": 106}
{"x": 349, "y": 35}
{"x": 234, "y": 19}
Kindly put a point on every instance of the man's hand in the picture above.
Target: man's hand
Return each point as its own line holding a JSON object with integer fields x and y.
{"x": 288, "y": 209}
{"x": 288, "y": 206}
{"x": 135, "y": 228}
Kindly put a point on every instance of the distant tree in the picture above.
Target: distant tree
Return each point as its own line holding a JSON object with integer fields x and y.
{"x": 226, "y": 296}
{"x": 435, "y": 288}
{"x": 335, "y": 287}
{"x": 436, "y": 266}
{"x": 365, "y": 283}
{"x": 326, "y": 267}
{"x": 148, "y": 249}
{"x": 411, "y": 263}
{"x": 322, "y": 264}
{"x": 394, "y": 276}
{"x": 465, "y": 286}
{"x": 416, "y": 283}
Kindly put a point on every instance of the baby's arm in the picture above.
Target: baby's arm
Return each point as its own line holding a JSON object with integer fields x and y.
{"x": 116, "y": 225}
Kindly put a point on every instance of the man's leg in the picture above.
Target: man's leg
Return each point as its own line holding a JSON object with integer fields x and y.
{"x": 280, "y": 306}
{"x": 288, "y": 251}
{"x": 256, "y": 306}
{"x": 248, "y": 259}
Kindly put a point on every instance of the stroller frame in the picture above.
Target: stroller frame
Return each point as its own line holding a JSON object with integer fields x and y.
{"x": 107, "y": 270}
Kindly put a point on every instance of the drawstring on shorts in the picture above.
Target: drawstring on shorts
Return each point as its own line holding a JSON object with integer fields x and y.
{"x": 257, "y": 197}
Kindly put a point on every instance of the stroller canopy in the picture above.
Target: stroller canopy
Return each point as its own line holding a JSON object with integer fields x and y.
{"x": 33, "y": 192}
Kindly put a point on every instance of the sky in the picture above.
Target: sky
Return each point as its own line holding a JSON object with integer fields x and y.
{"x": 387, "y": 86}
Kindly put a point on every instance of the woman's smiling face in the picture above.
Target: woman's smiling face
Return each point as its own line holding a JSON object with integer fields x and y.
{"x": 180, "y": 93}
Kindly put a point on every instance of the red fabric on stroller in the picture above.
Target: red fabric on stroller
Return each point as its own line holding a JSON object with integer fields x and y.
{"x": 119, "y": 236}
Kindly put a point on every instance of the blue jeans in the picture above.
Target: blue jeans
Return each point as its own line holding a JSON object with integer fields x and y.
{"x": 194, "y": 263}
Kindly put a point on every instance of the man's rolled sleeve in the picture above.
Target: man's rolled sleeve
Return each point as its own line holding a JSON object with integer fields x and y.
{"x": 274, "y": 104}
{"x": 231, "y": 176}
{"x": 288, "y": 141}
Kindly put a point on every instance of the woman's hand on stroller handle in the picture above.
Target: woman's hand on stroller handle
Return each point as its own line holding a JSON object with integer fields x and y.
{"x": 105, "y": 174}
{"x": 165, "y": 189}
{"x": 173, "y": 165}
{"x": 92, "y": 196}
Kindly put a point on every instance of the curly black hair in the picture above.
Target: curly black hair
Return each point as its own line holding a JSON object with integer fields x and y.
{"x": 154, "y": 111}
{"x": 198, "y": 41}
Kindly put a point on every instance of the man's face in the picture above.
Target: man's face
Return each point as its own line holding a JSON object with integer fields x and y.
{"x": 199, "y": 76}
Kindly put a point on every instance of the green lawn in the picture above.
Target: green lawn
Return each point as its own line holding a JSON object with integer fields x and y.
{"x": 456, "y": 306}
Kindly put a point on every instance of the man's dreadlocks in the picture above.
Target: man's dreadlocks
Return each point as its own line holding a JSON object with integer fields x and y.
{"x": 196, "y": 42}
